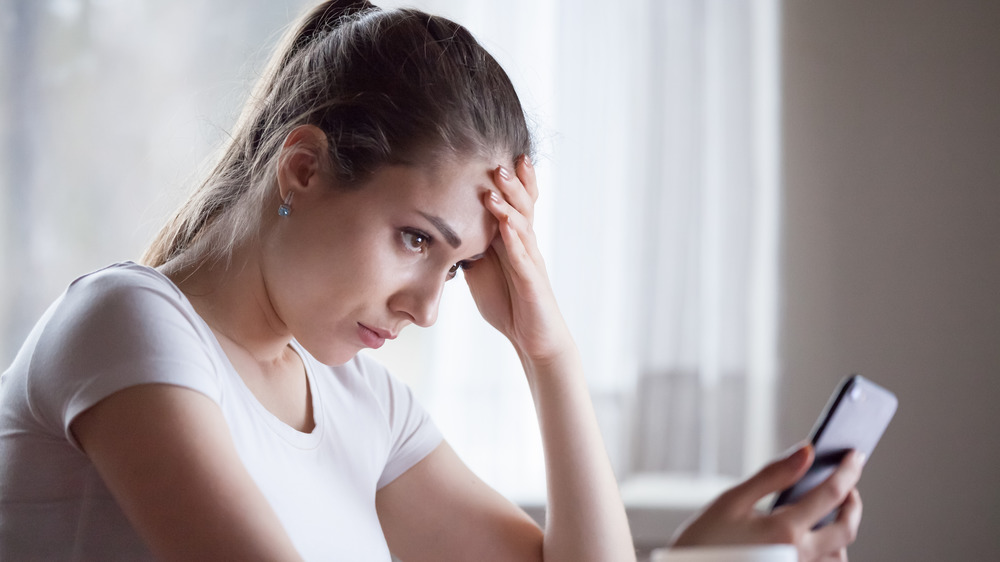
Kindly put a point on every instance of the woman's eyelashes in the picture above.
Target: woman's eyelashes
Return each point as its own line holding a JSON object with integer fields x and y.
{"x": 463, "y": 265}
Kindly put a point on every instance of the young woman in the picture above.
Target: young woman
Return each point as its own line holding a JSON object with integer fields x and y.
{"x": 210, "y": 403}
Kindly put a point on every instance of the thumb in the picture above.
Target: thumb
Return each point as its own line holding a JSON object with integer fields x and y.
{"x": 774, "y": 477}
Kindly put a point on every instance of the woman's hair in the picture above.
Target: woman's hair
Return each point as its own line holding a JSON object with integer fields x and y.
{"x": 386, "y": 87}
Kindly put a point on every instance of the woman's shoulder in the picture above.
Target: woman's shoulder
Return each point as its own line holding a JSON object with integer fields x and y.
{"x": 119, "y": 326}
{"x": 123, "y": 302}
{"x": 123, "y": 277}
{"x": 119, "y": 294}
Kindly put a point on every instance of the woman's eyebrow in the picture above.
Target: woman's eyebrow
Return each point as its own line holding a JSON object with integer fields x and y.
{"x": 446, "y": 232}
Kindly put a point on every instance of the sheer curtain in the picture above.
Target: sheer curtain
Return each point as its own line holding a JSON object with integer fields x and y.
{"x": 708, "y": 371}
{"x": 657, "y": 125}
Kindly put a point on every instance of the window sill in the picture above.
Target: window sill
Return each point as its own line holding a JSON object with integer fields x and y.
{"x": 656, "y": 504}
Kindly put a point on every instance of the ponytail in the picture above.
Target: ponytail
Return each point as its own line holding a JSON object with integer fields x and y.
{"x": 321, "y": 19}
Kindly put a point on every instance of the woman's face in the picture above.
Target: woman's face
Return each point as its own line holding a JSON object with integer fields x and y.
{"x": 349, "y": 269}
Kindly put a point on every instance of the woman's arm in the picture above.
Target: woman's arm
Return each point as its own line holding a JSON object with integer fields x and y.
{"x": 585, "y": 517}
{"x": 438, "y": 510}
{"x": 166, "y": 455}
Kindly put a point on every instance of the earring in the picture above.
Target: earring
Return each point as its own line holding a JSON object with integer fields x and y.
{"x": 285, "y": 208}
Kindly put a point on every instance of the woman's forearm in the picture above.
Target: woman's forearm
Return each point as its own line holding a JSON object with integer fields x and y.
{"x": 585, "y": 518}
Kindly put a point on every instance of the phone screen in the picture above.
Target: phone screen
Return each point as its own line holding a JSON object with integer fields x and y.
{"x": 856, "y": 416}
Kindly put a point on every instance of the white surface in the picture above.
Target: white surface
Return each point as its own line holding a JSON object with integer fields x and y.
{"x": 766, "y": 553}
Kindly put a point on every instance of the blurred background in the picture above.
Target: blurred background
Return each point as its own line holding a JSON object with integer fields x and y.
{"x": 742, "y": 202}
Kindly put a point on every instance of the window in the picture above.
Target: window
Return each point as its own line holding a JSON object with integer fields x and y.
{"x": 658, "y": 124}
{"x": 658, "y": 163}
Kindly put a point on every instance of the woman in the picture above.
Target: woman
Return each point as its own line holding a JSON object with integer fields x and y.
{"x": 210, "y": 403}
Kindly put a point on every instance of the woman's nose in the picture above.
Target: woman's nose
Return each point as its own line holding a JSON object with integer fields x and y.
{"x": 419, "y": 300}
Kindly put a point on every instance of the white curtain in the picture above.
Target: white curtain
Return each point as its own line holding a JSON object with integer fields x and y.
{"x": 657, "y": 124}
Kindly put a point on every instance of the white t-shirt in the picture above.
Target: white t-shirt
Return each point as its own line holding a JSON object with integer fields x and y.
{"x": 127, "y": 325}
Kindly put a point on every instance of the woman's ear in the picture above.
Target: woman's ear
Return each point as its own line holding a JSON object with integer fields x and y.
{"x": 302, "y": 159}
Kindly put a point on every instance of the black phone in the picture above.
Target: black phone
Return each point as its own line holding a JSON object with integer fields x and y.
{"x": 856, "y": 416}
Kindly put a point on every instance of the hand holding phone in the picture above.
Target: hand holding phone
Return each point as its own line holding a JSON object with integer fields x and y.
{"x": 856, "y": 416}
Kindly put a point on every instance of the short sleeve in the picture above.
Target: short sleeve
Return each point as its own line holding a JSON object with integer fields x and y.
{"x": 412, "y": 433}
{"x": 119, "y": 327}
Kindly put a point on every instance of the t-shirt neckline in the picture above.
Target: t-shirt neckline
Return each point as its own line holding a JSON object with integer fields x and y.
{"x": 293, "y": 436}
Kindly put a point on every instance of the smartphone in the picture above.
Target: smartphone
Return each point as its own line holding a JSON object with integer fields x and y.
{"x": 855, "y": 418}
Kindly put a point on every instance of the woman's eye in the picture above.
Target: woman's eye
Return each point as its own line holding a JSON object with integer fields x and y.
{"x": 454, "y": 269}
{"x": 415, "y": 242}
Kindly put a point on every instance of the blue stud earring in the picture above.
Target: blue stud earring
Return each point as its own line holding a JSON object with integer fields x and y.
{"x": 285, "y": 208}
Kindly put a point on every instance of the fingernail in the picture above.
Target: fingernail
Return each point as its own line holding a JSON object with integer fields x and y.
{"x": 862, "y": 458}
{"x": 494, "y": 197}
{"x": 804, "y": 450}
{"x": 527, "y": 160}
{"x": 797, "y": 448}
{"x": 504, "y": 173}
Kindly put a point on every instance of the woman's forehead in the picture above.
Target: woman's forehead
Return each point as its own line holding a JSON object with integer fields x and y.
{"x": 449, "y": 196}
{"x": 449, "y": 184}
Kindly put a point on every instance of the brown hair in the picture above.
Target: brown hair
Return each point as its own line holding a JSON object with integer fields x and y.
{"x": 387, "y": 87}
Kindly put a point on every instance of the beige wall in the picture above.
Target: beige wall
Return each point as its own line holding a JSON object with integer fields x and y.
{"x": 891, "y": 258}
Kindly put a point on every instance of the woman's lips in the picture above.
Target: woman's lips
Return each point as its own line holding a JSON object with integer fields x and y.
{"x": 370, "y": 337}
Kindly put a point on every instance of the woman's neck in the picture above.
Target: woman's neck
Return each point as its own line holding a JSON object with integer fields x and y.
{"x": 233, "y": 301}
{"x": 231, "y": 296}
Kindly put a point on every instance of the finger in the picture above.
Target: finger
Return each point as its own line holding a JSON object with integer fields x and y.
{"x": 516, "y": 248}
{"x": 850, "y": 514}
{"x": 504, "y": 212}
{"x": 824, "y": 498}
{"x": 514, "y": 192}
{"x": 500, "y": 251}
{"x": 498, "y": 246}
{"x": 517, "y": 254}
{"x": 526, "y": 173}
{"x": 511, "y": 271}
{"x": 838, "y": 556}
{"x": 844, "y": 530}
{"x": 774, "y": 477}
{"x": 489, "y": 277}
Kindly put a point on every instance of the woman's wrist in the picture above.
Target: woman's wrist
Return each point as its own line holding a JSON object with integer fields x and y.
{"x": 561, "y": 357}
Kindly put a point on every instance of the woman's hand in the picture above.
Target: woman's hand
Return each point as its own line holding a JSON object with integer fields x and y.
{"x": 732, "y": 519}
{"x": 585, "y": 517}
{"x": 510, "y": 285}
